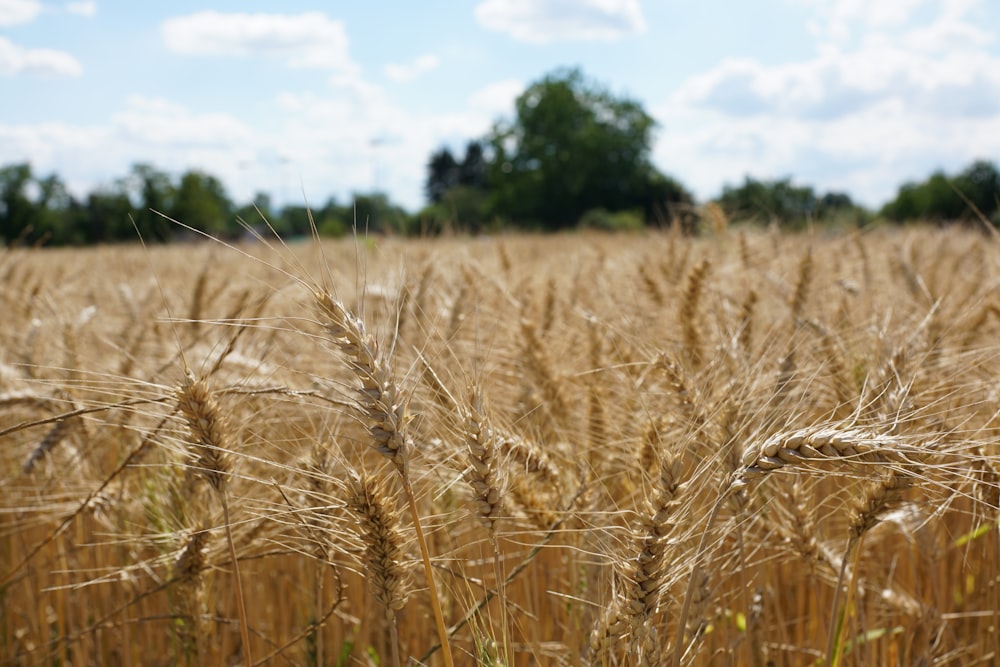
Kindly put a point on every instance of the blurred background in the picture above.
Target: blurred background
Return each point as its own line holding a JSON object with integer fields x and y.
{"x": 804, "y": 103}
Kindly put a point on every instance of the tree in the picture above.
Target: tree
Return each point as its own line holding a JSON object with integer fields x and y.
{"x": 980, "y": 183}
{"x": 105, "y": 216}
{"x": 943, "y": 198}
{"x": 202, "y": 203}
{"x": 780, "y": 201}
{"x": 56, "y": 208}
{"x": 472, "y": 170}
{"x": 18, "y": 213}
{"x": 571, "y": 147}
{"x": 442, "y": 175}
{"x": 152, "y": 194}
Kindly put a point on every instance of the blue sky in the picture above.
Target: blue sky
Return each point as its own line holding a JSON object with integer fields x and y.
{"x": 330, "y": 98}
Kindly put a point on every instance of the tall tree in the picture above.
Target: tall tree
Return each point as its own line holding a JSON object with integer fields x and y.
{"x": 442, "y": 175}
{"x": 943, "y": 198}
{"x": 18, "y": 213}
{"x": 472, "y": 170}
{"x": 202, "y": 203}
{"x": 153, "y": 195}
{"x": 571, "y": 146}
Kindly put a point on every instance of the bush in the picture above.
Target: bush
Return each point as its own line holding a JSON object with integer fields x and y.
{"x": 618, "y": 221}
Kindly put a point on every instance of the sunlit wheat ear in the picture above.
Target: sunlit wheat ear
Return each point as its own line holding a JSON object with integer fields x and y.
{"x": 688, "y": 314}
{"x": 189, "y": 568}
{"x": 747, "y": 310}
{"x": 821, "y": 443}
{"x": 878, "y": 498}
{"x": 802, "y": 284}
{"x": 379, "y": 397}
{"x": 626, "y": 623}
{"x": 483, "y": 473}
{"x": 211, "y": 449}
{"x": 538, "y": 365}
{"x": 384, "y": 410}
{"x": 378, "y": 525}
{"x": 210, "y": 445}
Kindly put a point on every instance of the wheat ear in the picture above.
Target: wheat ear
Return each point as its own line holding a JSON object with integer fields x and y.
{"x": 878, "y": 498}
{"x": 383, "y": 407}
{"x": 688, "y": 313}
{"x": 645, "y": 577}
{"x": 379, "y": 528}
{"x": 210, "y": 449}
{"x": 484, "y": 476}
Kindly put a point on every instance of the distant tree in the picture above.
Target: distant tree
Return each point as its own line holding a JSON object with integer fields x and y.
{"x": 153, "y": 195}
{"x": 376, "y": 214}
{"x": 935, "y": 200}
{"x": 56, "y": 219}
{"x": 769, "y": 201}
{"x": 442, "y": 175}
{"x": 18, "y": 213}
{"x": 258, "y": 214}
{"x": 456, "y": 191}
{"x": 104, "y": 217}
{"x": 201, "y": 202}
{"x": 472, "y": 170}
{"x": 572, "y": 147}
{"x": 980, "y": 183}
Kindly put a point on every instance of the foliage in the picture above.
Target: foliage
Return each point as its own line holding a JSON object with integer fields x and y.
{"x": 571, "y": 147}
{"x": 604, "y": 220}
{"x": 944, "y": 198}
{"x": 202, "y": 203}
{"x": 461, "y": 209}
{"x": 785, "y": 203}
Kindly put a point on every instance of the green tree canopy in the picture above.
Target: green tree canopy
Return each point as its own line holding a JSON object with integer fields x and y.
{"x": 18, "y": 213}
{"x": 785, "y": 203}
{"x": 571, "y": 147}
{"x": 201, "y": 202}
{"x": 945, "y": 198}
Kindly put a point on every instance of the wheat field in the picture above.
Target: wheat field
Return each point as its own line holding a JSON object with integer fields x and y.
{"x": 746, "y": 448}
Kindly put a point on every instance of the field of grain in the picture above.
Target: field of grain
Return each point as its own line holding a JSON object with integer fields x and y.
{"x": 747, "y": 448}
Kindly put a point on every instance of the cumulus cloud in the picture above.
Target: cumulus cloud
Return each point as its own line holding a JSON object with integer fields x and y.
{"x": 497, "y": 98}
{"x": 311, "y": 39}
{"x": 85, "y": 8}
{"x": 872, "y": 107}
{"x": 542, "y": 21}
{"x": 353, "y": 138}
{"x": 411, "y": 70}
{"x": 16, "y": 60}
{"x": 154, "y": 122}
{"x": 15, "y": 12}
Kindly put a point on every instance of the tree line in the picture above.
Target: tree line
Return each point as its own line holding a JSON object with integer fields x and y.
{"x": 573, "y": 155}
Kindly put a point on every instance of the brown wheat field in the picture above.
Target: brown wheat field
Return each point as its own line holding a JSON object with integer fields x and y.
{"x": 746, "y": 448}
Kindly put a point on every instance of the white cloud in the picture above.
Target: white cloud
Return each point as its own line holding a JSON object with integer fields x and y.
{"x": 14, "y": 12}
{"x": 497, "y": 98}
{"x": 301, "y": 40}
{"x": 15, "y": 60}
{"x": 155, "y": 122}
{"x": 86, "y": 8}
{"x": 354, "y": 138}
{"x": 360, "y": 140}
{"x": 873, "y": 106}
{"x": 411, "y": 70}
{"x": 542, "y": 21}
